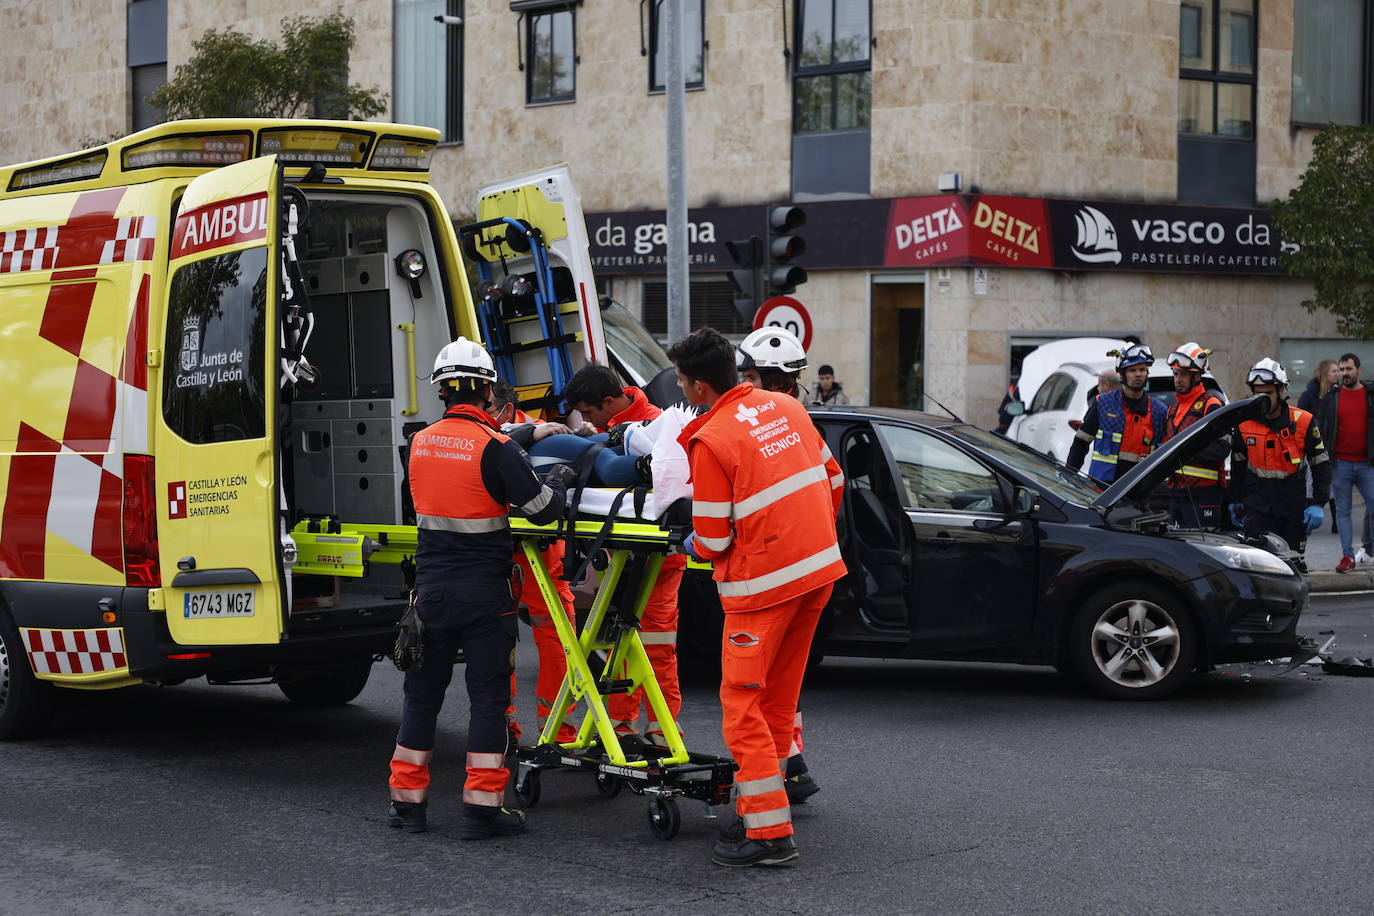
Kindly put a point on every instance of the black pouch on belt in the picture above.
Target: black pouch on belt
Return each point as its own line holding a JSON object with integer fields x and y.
{"x": 409, "y": 650}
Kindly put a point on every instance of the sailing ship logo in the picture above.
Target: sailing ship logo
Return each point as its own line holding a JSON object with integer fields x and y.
{"x": 1096, "y": 237}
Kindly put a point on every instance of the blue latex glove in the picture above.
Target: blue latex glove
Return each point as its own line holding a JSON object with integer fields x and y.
{"x": 1238, "y": 515}
{"x": 689, "y": 546}
{"x": 1312, "y": 517}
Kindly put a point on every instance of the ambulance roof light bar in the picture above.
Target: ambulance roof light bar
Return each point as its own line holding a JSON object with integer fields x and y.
{"x": 190, "y": 150}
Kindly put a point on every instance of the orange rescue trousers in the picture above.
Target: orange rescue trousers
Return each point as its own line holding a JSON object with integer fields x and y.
{"x": 763, "y": 661}
{"x": 553, "y": 664}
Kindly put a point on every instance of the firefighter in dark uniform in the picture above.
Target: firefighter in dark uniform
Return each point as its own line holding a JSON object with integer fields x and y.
{"x": 464, "y": 475}
{"x": 1268, "y": 460}
{"x": 1195, "y": 489}
{"x": 1123, "y": 425}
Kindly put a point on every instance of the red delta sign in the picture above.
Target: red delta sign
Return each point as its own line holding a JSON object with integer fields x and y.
{"x": 1010, "y": 231}
{"x": 926, "y": 230}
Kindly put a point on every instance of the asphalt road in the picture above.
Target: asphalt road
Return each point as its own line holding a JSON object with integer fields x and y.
{"x": 947, "y": 789}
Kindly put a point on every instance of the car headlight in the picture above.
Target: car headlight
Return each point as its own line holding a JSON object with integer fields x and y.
{"x": 1250, "y": 559}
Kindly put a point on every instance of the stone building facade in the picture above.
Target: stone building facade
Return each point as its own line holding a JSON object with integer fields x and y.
{"x": 1085, "y": 100}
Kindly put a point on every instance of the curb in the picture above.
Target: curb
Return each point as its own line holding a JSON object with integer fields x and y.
{"x": 1357, "y": 580}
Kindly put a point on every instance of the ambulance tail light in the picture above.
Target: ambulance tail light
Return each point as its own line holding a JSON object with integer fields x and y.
{"x": 140, "y": 523}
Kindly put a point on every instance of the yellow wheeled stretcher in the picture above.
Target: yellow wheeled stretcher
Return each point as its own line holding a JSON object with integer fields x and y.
{"x": 634, "y": 552}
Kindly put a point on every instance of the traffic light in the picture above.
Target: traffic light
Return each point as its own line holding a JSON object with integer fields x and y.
{"x": 784, "y": 247}
{"x": 747, "y": 278}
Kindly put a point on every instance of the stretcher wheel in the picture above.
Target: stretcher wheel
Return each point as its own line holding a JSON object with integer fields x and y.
{"x": 608, "y": 786}
{"x": 664, "y": 817}
{"x": 528, "y": 789}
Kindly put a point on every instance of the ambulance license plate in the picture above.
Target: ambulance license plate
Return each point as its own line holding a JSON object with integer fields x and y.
{"x": 221, "y": 603}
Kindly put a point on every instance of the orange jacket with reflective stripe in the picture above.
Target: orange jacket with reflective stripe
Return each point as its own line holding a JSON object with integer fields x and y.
{"x": 765, "y": 495}
{"x": 1276, "y": 452}
{"x": 1187, "y": 410}
{"x": 464, "y": 475}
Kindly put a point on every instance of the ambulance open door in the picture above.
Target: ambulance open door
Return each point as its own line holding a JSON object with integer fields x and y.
{"x": 537, "y": 302}
{"x": 216, "y": 461}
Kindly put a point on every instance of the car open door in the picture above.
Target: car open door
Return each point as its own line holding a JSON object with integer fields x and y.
{"x": 537, "y": 300}
{"x": 213, "y": 434}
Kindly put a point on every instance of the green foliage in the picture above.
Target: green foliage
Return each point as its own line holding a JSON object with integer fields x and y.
{"x": 231, "y": 75}
{"x": 1330, "y": 216}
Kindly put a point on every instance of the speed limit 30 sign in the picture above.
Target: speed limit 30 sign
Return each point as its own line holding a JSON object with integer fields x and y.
{"x": 786, "y": 313}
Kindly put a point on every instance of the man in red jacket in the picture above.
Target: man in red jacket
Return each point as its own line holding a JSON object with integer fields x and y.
{"x": 763, "y": 510}
{"x": 595, "y": 392}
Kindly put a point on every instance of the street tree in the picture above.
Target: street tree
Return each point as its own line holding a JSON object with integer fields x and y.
{"x": 1329, "y": 216}
{"x": 233, "y": 75}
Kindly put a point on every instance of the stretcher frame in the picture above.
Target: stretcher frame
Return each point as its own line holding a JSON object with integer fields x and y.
{"x": 663, "y": 774}
{"x": 636, "y": 550}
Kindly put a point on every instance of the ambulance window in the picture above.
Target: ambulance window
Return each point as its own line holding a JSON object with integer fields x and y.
{"x": 213, "y": 385}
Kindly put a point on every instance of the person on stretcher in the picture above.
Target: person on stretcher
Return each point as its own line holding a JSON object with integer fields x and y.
{"x": 552, "y": 444}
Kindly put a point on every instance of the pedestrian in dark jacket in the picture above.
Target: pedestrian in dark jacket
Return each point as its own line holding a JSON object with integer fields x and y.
{"x": 1327, "y": 376}
{"x": 828, "y": 393}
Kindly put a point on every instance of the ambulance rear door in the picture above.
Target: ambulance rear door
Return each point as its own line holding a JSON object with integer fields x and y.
{"x": 546, "y": 200}
{"x": 218, "y": 528}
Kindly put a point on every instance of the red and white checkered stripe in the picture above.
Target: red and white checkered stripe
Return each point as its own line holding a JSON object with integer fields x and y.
{"x": 28, "y": 249}
{"x": 133, "y": 241}
{"x": 75, "y": 651}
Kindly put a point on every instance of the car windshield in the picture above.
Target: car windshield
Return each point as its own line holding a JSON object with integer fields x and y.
{"x": 634, "y": 345}
{"x": 1048, "y": 474}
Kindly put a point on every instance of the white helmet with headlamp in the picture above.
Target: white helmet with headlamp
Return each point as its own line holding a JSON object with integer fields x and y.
{"x": 771, "y": 348}
{"x": 463, "y": 359}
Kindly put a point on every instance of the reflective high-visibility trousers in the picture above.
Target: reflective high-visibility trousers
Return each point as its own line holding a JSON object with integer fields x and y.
{"x": 763, "y": 661}
{"x": 658, "y": 633}
{"x": 553, "y": 664}
{"x": 477, "y": 619}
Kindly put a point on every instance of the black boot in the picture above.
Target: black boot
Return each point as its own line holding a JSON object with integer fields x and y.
{"x": 408, "y": 815}
{"x": 798, "y": 781}
{"x": 504, "y": 822}
{"x": 748, "y": 853}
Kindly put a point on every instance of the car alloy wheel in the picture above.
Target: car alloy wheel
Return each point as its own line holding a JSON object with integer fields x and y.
{"x": 1135, "y": 643}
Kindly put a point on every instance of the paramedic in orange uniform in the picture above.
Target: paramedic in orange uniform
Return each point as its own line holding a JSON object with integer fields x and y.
{"x": 595, "y": 392}
{"x": 773, "y": 358}
{"x": 763, "y": 511}
{"x": 464, "y": 475}
{"x": 553, "y": 664}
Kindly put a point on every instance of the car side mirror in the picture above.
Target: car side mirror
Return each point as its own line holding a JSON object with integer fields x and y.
{"x": 1025, "y": 502}
{"x": 1015, "y": 409}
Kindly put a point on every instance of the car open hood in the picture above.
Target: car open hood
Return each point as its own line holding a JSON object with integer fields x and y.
{"x": 1142, "y": 479}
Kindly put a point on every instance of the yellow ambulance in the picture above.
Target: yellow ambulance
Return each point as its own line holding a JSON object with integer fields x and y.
{"x": 215, "y": 337}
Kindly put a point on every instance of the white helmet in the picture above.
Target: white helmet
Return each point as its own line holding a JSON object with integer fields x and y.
{"x": 1190, "y": 356}
{"x": 771, "y": 348}
{"x": 1267, "y": 372}
{"x": 463, "y": 359}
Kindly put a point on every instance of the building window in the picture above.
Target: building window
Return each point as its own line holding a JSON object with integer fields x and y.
{"x": 551, "y": 55}
{"x": 832, "y": 80}
{"x": 1216, "y": 94}
{"x": 712, "y": 303}
{"x": 146, "y": 56}
{"x": 831, "y": 99}
{"x": 693, "y": 45}
{"x": 1330, "y": 55}
{"x": 428, "y": 66}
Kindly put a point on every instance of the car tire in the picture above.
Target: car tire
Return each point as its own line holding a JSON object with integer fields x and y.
{"x": 1133, "y": 641}
{"x": 25, "y": 701}
{"x": 333, "y": 685}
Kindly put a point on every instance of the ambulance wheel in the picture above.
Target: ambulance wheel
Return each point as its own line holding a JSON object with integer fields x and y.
{"x": 528, "y": 789}
{"x": 332, "y": 685}
{"x": 664, "y": 817}
{"x": 1134, "y": 641}
{"x": 24, "y": 700}
{"x": 608, "y": 786}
